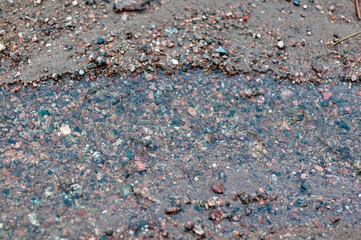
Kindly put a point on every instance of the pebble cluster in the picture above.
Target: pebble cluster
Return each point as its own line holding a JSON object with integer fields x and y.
{"x": 130, "y": 37}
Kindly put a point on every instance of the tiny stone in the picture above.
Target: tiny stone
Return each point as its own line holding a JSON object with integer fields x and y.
{"x": 33, "y": 219}
{"x": 143, "y": 57}
{"x": 100, "y": 40}
{"x": 331, "y": 8}
{"x": 280, "y": 44}
{"x": 187, "y": 200}
{"x": 198, "y": 230}
{"x": 188, "y": 226}
{"x": 125, "y": 17}
{"x": 126, "y": 190}
{"x": 296, "y": 3}
{"x": 173, "y": 210}
{"x": 175, "y": 61}
{"x": 305, "y": 186}
{"x": 222, "y": 50}
{"x": 109, "y": 232}
{"x": 65, "y": 129}
{"x": 140, "y": 166}
{"x": 217, "y": 189}
{"x": 248, "y": 211}
{"x": 301, "y": 202}
{"x": 286, "y": 94}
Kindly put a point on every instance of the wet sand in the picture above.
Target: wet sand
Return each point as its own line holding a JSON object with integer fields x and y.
{"x": 188, "y": 156}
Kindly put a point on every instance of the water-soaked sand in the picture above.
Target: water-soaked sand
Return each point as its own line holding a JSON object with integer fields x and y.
{"x": 128, "y": 158}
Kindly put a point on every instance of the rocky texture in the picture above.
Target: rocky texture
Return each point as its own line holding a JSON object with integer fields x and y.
{"x": 55, "y": 39}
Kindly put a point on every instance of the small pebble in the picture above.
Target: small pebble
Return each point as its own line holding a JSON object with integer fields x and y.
{"x": 305, "y": 186}
{"x": 248, "y": 211}
{"x": 173, "y": 210}
{"x": 188, "y": 226}
{"x": 217, "y": 189}
{"x": 100, "y": 40}
{"x": 331, "y": 8}
{"x": 280, "y": 44}
{"x": 222, "y": 50}
{"x": 296, "y": 3}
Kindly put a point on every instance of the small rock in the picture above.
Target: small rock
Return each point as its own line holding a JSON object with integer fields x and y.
{"x": 173, "y": 210}
{"x": 246, "y": 199}
{"x": 52, "y": 22}
{"x": 132, "y": 68}
{"x": 24, "y": 58}
{"x": 280, "y": 44}
{"x": 286, "y": 94}
{"x": 301, "y": 202}
{"x": 331, "y": 8}
{"x": 198, "y": 230}
{"x": 130, "y": 154}
{"x": 245, "y": 18}
{"x": 188, "y": 226}
{"x": 11, "y": 2}
{"x": 33, "y": 219}
{"x": 100, "y": 61}
{"x": 65, "y": 129}
{"x": 296, "y": 2}
{"x": 335, "y": 219}
{"x": 126, "y": 190}
{"x": 217, "y": 189}
{"x": 192, "y": 111}
{"x": 304, "y": 176}
{"x": 125, "y": 17}
{"x": 248, "y": 211}
{"x": 14, "y": 57}
{"x": 100, "y": 40}
{"x": 90, "y": 2}
{"x": 5, "y": 172}
{"x": 109, "y": 232}
{"x": 175, "y": 61}
{"x": 171, "y": 30}
{"x": 305, "y": 186}
{"x": 211, "y": 203}
{"x": 114, "y": 101}
{"x": 140, "y": 166}
{"x": 129, "y": 5}
{"x": 222, "y": 50}
{"x": 326, "y": 96}
{"x": 216, "y": 61}
{"x": 317, "y": 68}
{"x": 187, "y": 200}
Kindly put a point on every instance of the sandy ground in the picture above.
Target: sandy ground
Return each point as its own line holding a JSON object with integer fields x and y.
{"x": 54, "y": 39}
{"x": 180, "y": 121}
